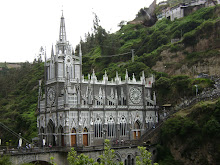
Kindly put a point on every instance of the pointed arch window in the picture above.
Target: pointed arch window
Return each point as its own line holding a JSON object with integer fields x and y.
{"x": 123, "y": 126}
{"x": 98, "y": 102}
{"x": 74, "y": 98}
{"x": 110, "y": 103}
{"x": 123, "y": 97}
{"x": 98, "y": 128}
{"x": 111, "y": 128}
{"x": 124, "y": 101}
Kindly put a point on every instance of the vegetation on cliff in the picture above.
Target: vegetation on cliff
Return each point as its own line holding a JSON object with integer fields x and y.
{"x": 149, "y": 42}
{"x": 192, "y": 138}
{"x": 18, "y": 100}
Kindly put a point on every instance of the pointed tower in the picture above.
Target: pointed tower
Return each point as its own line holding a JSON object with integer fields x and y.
{"x": 62, "y": 42}
{"x": 80, "y": 61}
{"x": 62, "y": 36}
{"x": 52, "y": 52}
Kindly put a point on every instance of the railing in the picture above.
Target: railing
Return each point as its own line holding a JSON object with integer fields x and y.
{"x": 14, "y": 151}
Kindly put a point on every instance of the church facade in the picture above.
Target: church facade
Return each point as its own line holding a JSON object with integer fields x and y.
{"x": 75, "y": 111}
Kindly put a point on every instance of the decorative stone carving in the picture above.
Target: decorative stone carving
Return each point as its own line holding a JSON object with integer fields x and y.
{"x": 135, "y": 95}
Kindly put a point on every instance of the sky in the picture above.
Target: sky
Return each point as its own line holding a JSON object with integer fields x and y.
{"x": 26, "y": 25}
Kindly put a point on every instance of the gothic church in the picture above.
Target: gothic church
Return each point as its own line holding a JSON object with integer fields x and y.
{"x": 75, "y": 111}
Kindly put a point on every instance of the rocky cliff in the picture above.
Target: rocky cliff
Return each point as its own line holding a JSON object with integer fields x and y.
{"x": 202, "y": 57}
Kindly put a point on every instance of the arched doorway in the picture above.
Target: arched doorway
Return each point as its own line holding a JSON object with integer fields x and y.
{"x": 50, "y": 133}
{"x": 85, "y": 136}
{"x": 41, "y": 136}
{"x": 61, "y": 136}
{"x": 73, "y": 137}
{"x": 137, "y": 131}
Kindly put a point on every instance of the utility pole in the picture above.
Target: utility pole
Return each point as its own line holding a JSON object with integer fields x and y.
{"x": 132, "y": 53}
{"x": 196, "y": 89}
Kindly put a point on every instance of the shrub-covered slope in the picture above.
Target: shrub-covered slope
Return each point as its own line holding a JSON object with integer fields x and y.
{"x": 199, "y": 34}
{"x": 18, "y": 100}
{"x": 194, "y": 138}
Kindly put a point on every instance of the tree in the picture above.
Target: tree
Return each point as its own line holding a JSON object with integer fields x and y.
{"x": 52, "y": 160}
{"x": 5, "y": 160}
{"x": 81, "y": 159}
{"x": 122, "y": 23}
{"x": 144, "y": 158}
{"x": 108, "y": 158}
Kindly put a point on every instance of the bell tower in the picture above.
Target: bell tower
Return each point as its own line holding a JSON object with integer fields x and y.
{"x": 62, "y": 68}
{"x": 63, "y": 64}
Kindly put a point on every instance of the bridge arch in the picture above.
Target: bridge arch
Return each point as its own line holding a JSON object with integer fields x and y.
{"x": 117, "y": 156}
{"x": 41, "y": 162}
{"x": 42, "y": 157}
{"x": 129, "y": 160}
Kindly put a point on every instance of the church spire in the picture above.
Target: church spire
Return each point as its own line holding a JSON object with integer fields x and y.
{"x": 62, "y": 36}
{"x": 52, "y": 52}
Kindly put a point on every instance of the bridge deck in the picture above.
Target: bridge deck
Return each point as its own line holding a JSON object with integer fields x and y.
{"x": 14, "y": 151}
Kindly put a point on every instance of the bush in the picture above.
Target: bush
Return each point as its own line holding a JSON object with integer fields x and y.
{"x": 212, "y": 128}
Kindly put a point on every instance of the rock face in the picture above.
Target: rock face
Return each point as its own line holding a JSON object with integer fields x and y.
{"x": 201, "y": 154}
{"x": 207, "y": 61}
{"x": 147, "y": 16}
{"x": 172, "y": 63}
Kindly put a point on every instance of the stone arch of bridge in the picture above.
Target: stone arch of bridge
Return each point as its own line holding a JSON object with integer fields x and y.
{"x": 117, "y": 156}
{"x": 129, "y": 159}
{"x": 43, "y": 158}
{"x": 41, "y": 162}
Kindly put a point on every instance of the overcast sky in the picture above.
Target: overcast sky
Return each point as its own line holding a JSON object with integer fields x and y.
{"x": 26, "y": 25}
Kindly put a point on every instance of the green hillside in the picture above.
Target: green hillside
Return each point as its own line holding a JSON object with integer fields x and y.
{"x": 149, "y": 42}
{"x": 18, "y": 100}
{"x": 192, "y": 138}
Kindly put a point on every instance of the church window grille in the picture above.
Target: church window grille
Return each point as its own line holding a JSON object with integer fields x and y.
{"x": 98, "y": 128}
{"x": 111, "y": 128}
{"x": 119, "y": 100}
{"x": 98, "y": 103}
{"x": 74, "y": 99}
{"x": 110, "y": 103}
{"x": 123, "y": 127}
{"x": 124, "y": 101}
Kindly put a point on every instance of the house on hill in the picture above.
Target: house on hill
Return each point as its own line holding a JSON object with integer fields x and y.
{"x": 184, "y": 9}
